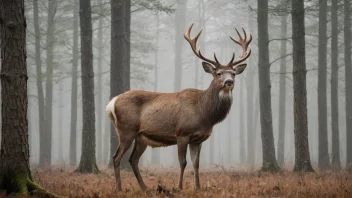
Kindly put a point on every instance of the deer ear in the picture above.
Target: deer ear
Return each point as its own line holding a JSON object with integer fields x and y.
{"x": 208, "y": 68}
{"x": 240, "y": 68}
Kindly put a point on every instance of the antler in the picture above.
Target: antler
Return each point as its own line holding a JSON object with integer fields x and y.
{"x": 244, "y": 44}
{"x": 193, "y": 43}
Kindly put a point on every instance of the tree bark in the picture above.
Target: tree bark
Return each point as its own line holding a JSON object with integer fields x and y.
{"x": 335, "y": 133}
{"x": 242, "y": 123}
{"x": 99, "y": 93}
{"x": 269, "y": 157}
{"x": 302, "y": 158}
{"x": 15, "y": 175}
{"x": 127, "y": 65}
{"x": 180, "y": 17}
{"x": 282, "y": 94}
{"x": 348, "y": 82}
{"x": 60, "y": 119}
{"x": 117, "y": 71}
{"x": 250, "y": 93}
{"x": 38, "y": 61}
{"x": 323, "y": 158}
{"x": 45, "y": 158}
{"x": 74, "y": 87}
{"x": 127, "y": 26}
{"x": 88, "y": 160}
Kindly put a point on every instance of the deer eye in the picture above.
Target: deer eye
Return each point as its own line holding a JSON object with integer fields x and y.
{"x": 233, "y": 74}
{"x": 218, "y": 74}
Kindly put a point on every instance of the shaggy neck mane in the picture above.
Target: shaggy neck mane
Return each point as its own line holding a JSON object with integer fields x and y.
{"x": 215, "y": 108}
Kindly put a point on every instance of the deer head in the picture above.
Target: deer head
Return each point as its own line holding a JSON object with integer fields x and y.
{"x": 224, "y": 75}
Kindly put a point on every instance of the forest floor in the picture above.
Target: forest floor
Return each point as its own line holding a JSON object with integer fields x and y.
{"x": 214, "y": 183}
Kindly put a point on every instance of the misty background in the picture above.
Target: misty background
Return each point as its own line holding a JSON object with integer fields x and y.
{"x": 162, "y": 60}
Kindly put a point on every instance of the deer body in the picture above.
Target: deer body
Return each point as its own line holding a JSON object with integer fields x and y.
{"x": 183, "y": 118}
{"x": 161, "y": 117}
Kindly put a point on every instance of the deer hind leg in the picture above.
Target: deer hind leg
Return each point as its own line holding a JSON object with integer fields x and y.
{"x": 182, "y": 143}
{"x": 125, "y": 142}
{"x": 138, "y": 150}
{"x": 195, "y": 152}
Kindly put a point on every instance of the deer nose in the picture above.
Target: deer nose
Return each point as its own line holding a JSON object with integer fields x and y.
{"x": 228, "y": 82}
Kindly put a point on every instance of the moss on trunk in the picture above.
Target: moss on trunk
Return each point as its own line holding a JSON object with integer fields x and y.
{"x": 20, "y": 184}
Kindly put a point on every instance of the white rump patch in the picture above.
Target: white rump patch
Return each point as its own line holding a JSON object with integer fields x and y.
{"x": 110, "y": 108}
{"x": 223, "y": 95}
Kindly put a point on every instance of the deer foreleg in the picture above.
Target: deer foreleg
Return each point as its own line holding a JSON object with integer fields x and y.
{"x": 195, "y": 153}
{"x": 182, "y": 143}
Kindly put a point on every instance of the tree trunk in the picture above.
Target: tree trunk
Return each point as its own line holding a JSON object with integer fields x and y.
{"x": 348, "y": 82}
{"x": 242, "y": 123}
{"x": 88, "y": 160}
{"x": 323, "y": 159}
{"x": 127, "y": 26}
{"x": 127, "y": 65}
{"x": 302, "y": 158}
{"x": 60, "y": 117}
{"x": 118, "y": 52}
{"x": 38, "y": 62}
{"x": 45, "y": 158}
{"x": 106, "y": 139}
{"x": 269, "y": 157}
{"x": 74, "y": 87}
{"x": 99, "y": 93}
{"x": 282, "y": 93}
{"x": 255, "y": 125}
{"x": 250, "y": 93}
{"x": 180, "y": 17}
{"x": 15, "y": 175}
{"x": 156, "y": 151}
{"x": 335, "y": 133}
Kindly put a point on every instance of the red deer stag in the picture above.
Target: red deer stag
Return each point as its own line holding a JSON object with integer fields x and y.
{"x": 183, "y": 118}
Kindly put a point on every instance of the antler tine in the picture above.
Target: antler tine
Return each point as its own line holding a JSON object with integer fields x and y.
{"x": 193, "y": 43}
{"x": 216, "y": 58}
{"x": 239, "y": 35}
{"x": 233, "y": 57}
{"x": 245, "y": 34}
{"x": 244, "y": 44}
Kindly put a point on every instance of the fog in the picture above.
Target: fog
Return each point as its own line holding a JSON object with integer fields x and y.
{"x": 228, "y": 145}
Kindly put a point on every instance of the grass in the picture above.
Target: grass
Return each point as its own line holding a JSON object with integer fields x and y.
{"x": 214, "y": 183}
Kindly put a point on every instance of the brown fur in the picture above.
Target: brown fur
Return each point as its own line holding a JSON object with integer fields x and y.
{"x": 183, "y": 118}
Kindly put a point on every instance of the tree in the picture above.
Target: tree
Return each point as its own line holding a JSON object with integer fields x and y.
{"x": 15, "y": 175}
{"x": 335, "y": 133}
{"x": 282, "y": 93}
{"x": 117, "y": 65}
{"x": 323, "y": 159}
{"x": 74, "y": 85}
{"x": 88, "y": 160}
{"x": 40, "y": 92}
{"x": 45, "y": 157}
{"x": 242, "y": 122}
{"x": 302, "y": 158}
{"x": 99, "y": 95}
{"x": 127, "y": 26}
{"x": 269, "y": 157}
{"x": 250, "y": 103}
{"x": 348, "y": 82}
{"x": 60, "y": 107}
{"x": 180, "y": 17}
